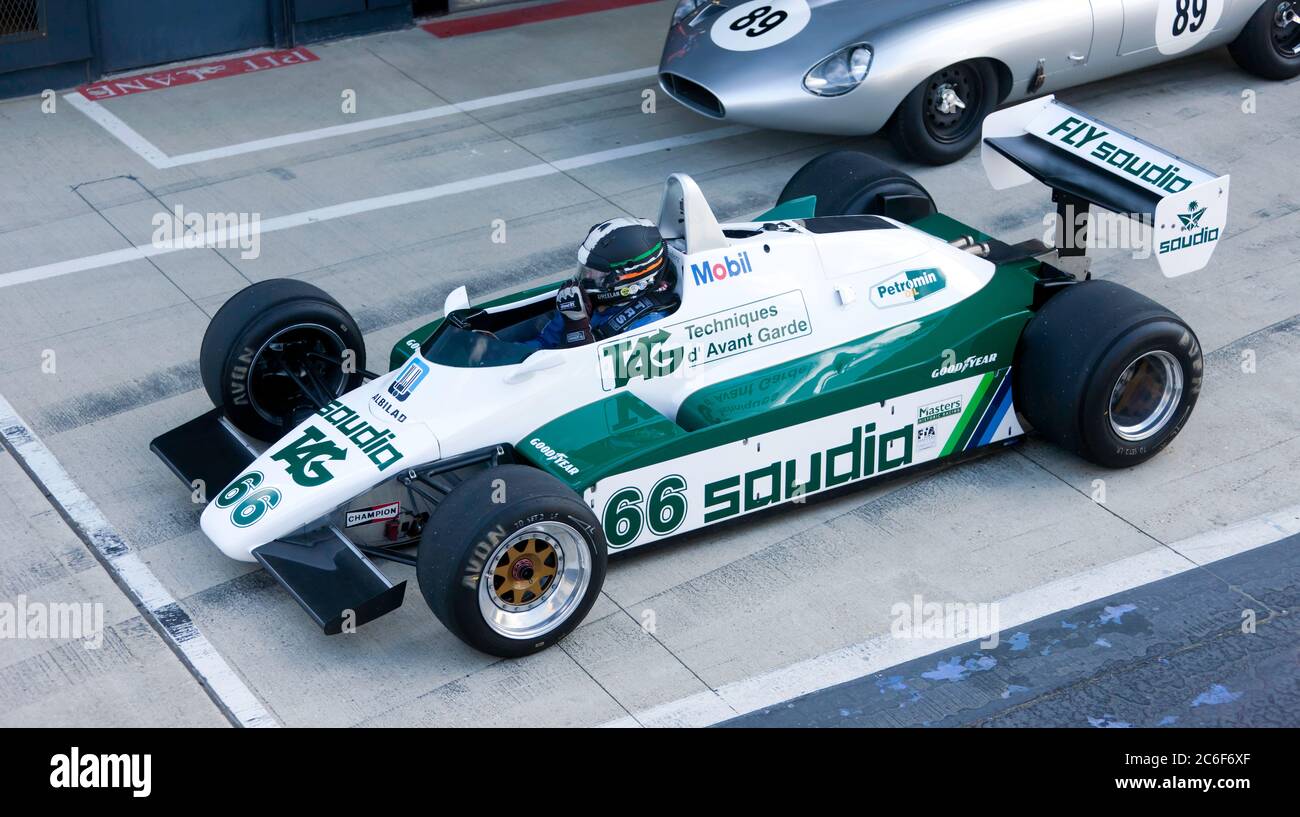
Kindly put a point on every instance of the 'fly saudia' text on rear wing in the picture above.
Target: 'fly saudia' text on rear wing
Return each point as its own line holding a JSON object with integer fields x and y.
{"x": 1089, "y": 161}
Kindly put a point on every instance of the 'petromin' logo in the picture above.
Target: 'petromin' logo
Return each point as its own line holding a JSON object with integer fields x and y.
{"x": 707, "y": 272}
{"x": 1191, "y": 222}
{"x": 1088, "y": 138}
{"x": 908, "y": 287}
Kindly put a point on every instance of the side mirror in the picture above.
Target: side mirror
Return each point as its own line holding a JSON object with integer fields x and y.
{"x": 539, "y": 362}
{"x": 458, "y": 298}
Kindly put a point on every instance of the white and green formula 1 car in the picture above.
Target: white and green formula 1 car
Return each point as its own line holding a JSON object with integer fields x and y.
{"x": 850, "y": 333}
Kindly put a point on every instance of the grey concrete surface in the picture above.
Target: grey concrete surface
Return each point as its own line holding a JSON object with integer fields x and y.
{"x": 724, "y": 605}
{"x": 125, "y": 676}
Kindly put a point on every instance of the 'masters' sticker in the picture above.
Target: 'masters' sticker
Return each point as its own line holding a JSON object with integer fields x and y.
{"x": 760, "y": 24}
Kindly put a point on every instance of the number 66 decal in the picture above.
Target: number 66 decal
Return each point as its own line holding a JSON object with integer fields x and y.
{"x": 1183, "y": 24}
{"x": 250, "y": 503}
{"x": 760, "y": 24}
{"x": 628, "y": 513}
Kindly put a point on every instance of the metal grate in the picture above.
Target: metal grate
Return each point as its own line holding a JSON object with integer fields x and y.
{"x": 20, "y": 19}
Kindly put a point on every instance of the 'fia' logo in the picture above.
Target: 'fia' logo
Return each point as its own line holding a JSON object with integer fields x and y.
{"x": 414, "y": 373}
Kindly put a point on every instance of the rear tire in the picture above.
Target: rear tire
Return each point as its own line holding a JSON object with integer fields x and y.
{"x": 264, "y": 329}
{"x": 1268, "y": 47}
{"x": 925, "y": 130}
{"x": 1107, "y": 373}
{"x": 851, "y": 183}
{"x": 483, "y": 564}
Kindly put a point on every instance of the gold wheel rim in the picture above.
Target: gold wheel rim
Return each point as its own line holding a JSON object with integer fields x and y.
{"x": 525, "y": 572}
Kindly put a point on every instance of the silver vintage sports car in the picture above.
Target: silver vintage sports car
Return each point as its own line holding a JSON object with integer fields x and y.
{"x": 931, "y": 70}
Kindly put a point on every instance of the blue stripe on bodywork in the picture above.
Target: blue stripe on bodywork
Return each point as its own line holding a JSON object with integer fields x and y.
{"x": 992, "y": 418}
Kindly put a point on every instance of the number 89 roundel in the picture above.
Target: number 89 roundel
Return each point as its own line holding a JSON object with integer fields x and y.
{"x": 1184, "y": 24}
{"x": 760, "y": 24}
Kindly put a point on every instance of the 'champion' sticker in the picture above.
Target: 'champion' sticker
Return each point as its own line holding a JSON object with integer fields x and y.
{"x": 367, "y": 516}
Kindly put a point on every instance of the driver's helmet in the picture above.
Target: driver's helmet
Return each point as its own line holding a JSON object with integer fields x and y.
{"x": 620, "y": 259}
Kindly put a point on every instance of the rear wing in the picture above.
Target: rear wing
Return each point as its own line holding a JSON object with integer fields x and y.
{"x": 1086, "y": 161}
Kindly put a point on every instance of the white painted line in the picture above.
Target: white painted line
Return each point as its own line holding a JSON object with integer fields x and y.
{"x": 220, "y": 237}
{"x": 160, "y": 160}
{"x": 1211, "y": 546}
{"x": 406, "y": 118}
{"x": 884, "y": 651}
{"x": 131, "y": 573}
{"x": 124, "y": 132}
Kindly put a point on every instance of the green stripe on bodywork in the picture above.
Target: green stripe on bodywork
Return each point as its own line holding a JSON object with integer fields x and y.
{"x": 872, "y": 369}
{"x": 897, "y": 361}
{"x": 592, "y": 437}
{"x": 793, "y": 209}
{"x": 974, "y": 410}
{"x": 621, "y": 433}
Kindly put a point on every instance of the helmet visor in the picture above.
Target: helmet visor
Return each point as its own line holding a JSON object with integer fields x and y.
{"x": 610, "y": 287}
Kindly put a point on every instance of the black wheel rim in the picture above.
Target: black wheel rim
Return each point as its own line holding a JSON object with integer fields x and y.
{"x": 300, "y": 367}
{"x": 1286, "y": 30}
{"x": 944, "y": 120}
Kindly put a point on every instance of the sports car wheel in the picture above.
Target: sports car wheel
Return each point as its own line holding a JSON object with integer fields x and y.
{"x": 277, "y": 351}
{"x": 511, "y": 561}
{"x": 851, "y": 183}
{"x": 1107, "y": 373}
{"x": 1269, "y": 46}
{"x": 940, "y": 121}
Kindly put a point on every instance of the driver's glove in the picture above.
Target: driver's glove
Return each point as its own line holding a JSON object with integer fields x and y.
{"x": 575, "y": 306}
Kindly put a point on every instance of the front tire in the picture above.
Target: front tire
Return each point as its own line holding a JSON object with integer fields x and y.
{"x": 942, "y": 119}
{"x": 268, "y": 340}
{"x": 1107, "y": 373}
{"x": 1269, "y": 46}
{"x": 512, "y": 577}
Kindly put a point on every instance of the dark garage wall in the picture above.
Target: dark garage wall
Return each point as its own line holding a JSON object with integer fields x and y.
{"x": 135, "y": 33}
{"x": 81, "y": 40}
{"x": 56, "y": 56}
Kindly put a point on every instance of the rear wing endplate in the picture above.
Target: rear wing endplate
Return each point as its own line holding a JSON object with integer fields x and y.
{"x": 1082, "y": 158}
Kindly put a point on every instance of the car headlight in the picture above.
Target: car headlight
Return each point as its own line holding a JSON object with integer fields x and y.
{"x": 686, "y": 8}
{"x": 839, "y": 73}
